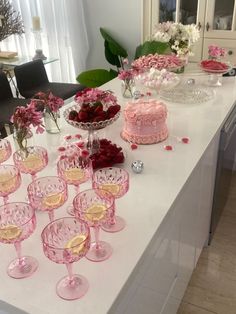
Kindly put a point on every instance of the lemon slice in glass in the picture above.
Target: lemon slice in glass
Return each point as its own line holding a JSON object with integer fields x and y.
{"x": 96, "y": 212}
{"x": 2, "y": 154}
{"x": 113, "y": 188}
{"x": 7, "y": 182}
{"x": 74, "y": 174}
{"x": 33, "y": 162}
{"x": 52, "y": 200}
{"x": 76, "y": 244}
{"x": 10, "y": 232}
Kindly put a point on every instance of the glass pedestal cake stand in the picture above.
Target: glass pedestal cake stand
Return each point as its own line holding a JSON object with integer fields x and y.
{"x": 215, "y": 75}
{"x": 93, "y": 143}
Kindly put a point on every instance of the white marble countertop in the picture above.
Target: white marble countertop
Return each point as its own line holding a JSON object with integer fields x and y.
{"x": 144, "y": 207}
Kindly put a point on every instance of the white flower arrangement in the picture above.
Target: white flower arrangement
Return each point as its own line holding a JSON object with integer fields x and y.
{"x": 181, "y": 38}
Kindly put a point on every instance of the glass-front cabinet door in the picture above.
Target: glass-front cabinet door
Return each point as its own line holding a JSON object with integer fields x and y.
{"x": 220, "y": 19}
{"x": 183, "y": 11}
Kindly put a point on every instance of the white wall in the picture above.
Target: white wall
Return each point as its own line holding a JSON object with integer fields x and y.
{"x": 121, "y": 18}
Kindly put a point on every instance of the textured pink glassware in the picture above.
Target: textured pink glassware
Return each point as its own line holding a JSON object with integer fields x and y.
{"x": 34, "y": 161}
{"x": 5, "y": 150}
{"x": 55, "y": 238}
{"x": 47, "y": 194}
{"x": 74, "y": 170}
{"x": 116, "y": 181}
{"x": 10, "y": 180}
{"x": 95, "y": 206}
{"x": 17, "y": 223}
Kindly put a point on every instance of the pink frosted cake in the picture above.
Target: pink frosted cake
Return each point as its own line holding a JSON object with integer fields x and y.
{"x": 145, "y": 122}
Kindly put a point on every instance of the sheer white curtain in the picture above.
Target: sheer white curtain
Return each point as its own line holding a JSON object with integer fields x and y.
{"x": 63, "y": 35}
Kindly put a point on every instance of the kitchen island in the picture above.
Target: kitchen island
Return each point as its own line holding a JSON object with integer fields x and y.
{"x": 167, "y": 210}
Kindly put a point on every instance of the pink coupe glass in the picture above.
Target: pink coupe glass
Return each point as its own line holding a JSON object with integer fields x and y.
{"x": 74, "y": 170}
{"x": 95, "y": 206}
{"x": 47, "y": 194}
{"x": 17, "y": 223}
{"x": 116, "y": 181}
{"x": 35, "y": 160}
{"x": 10, "y": 180}
{"x": 5, "y": 150}
{"x": 65, "y": 241}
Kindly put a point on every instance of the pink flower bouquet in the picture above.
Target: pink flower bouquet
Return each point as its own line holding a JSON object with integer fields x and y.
{"x": 22, "y": 120}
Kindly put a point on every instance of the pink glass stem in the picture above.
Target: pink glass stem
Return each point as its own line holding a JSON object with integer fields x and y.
{"x": 33, "y": 176}
{"x": 70, "y": 273}
{"x": 51, "y": 215}
{"x": 5, "y": 199}
{"x": 18, "y": 251}
{"x": 113, "y": 217}
{"x": 76, "y": 189}
{"x": 96, "y": 233}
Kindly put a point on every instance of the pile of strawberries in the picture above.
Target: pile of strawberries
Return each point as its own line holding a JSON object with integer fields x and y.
{"x": 213, "y": 65}
{"x": 108, "y": 155}
{"x": 94, "y": 113}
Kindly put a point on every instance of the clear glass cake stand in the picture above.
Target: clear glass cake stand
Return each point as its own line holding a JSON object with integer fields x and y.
{"x": 93, "y": 143}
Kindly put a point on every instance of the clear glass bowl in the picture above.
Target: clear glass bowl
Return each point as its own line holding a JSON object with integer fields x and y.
{"x": 88, "y": 125}
{"x": 185, "y": 95}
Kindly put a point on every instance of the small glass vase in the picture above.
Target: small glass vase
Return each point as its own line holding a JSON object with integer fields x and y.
{"x": 22, "y": 142}
{"x": 128, "y": 88}
{"x": 52, "y": 121}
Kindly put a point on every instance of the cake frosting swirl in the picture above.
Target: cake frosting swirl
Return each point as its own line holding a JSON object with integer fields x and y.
{"x": 145, "y": 122}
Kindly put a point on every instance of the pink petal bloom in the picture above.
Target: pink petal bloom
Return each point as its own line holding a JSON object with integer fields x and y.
{"x": 39, "y": 129}
{"x": 125, "y": 75}
{"x": 125, "y": 61}
{"x": 61, "y": 149}
{"x": 78, "y": 136}
{"x": 95, "y": 95}
{"x": 68, "y": 137}
{"x": 80, "y": 144}
{"x": 84, "y": 153}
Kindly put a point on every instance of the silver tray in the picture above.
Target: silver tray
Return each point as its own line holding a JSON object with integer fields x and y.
{"x": 187, "y": 95}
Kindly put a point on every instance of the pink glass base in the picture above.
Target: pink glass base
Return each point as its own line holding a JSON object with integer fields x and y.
{"x": 117, "y": 226}
{"x": 70, "y": 210}
{"x": 25, "y": 268}
{"x": 72, "y": 289}
{"x": 99, "y": 254}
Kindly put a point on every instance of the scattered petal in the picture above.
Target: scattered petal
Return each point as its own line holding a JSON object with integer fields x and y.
{"x": 185, "y": 140}
{"x": 68, "y": 137}
{"x": 61, "y": 149}
{"x": 148, "y": 93}
{"x": 168, "y": 147}
{"x": 78, "y": 136}
{"x": 85, "y": 153}
{"x": 133, "y": 146}
{"x": 80, "y": 144}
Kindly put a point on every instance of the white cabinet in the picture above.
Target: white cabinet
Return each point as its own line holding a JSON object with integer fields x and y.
{"x": 216, "y": 20}
{"x": 158, "y": 282}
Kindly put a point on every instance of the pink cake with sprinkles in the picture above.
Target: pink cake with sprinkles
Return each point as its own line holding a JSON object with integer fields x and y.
{"x": 145, "y": 122}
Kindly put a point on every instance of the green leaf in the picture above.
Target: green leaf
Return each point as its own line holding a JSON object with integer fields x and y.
{"x": 114, "y": 46}
{"x": 110, "y": 57}
{"x": 95, "y": 78}
{"x": 152, "y": 47}
{"x": 113, "y": 73}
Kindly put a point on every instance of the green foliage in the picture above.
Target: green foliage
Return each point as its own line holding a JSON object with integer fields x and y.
{"x": 95, "y": 78}
{"x": 114, "y": 53}
{"x": 114, "y": 47}
{"x": 152, "y": 47}
{"x": 110, "y": 57}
